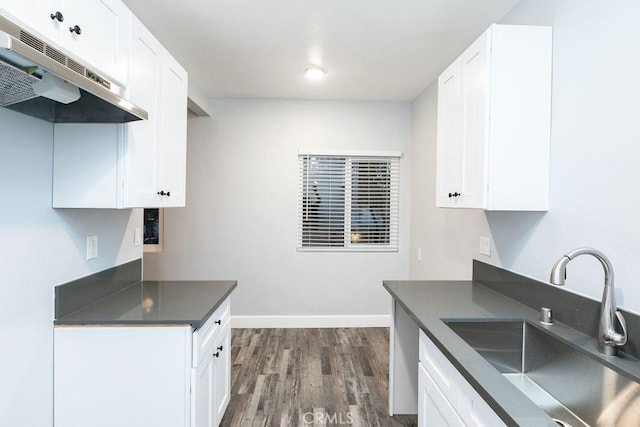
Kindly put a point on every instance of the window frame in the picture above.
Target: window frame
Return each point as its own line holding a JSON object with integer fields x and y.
{"x": 394, "y": 158}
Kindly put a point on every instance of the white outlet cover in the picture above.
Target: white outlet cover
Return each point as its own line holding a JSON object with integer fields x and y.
{"x": 485, "y": 246}
{"x": 92, "y": 247}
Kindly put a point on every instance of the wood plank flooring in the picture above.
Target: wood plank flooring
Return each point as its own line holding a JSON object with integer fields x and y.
{"x": 310, "y": 377}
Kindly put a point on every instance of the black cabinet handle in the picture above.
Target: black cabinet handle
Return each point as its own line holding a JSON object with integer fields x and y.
{"x": 219, "y": 348}
{"x": 218, "y": 322}
{"x": 57, "y": 16}
{"x": 75, "y": 29}
{"x": 216, "y": 354}
{"x": 456, "y": 194}
{"x": 162, "y": 193}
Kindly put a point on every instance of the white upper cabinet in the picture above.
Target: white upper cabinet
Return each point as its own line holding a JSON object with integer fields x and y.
{"x": 173, "y": 128}
{"x": 140, "y": 164}
{"x": 494, "y": 121}
{"x": 46, "y": 17}
{"x": 104, "y": 34}
{"x": 155, "y": 150}
{"x": 96, "y": 31}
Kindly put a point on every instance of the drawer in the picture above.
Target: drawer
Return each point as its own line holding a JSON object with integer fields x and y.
{"x": 205, "y": 336}
{"x": 441, "y": 371}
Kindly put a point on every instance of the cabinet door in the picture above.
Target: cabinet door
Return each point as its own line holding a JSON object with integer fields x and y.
{"x": 155, "y": 150}
{"x": 104, "y": 30}
{"x": 141, "y": 147}
{"x": 445, "y": 396}
{"x": 222, "y": 373}
{"x": 474, "y": 410}
{"x": 434, "y": 410}
{"x": 36, "y": 14}
{"x": 474, "y": 86}
{"x": 449, "y": 167}
{"x": 173, "y": 150}
{"x": 463, "y": 117}
{"x": 102, "y": 42}
{"x": 202, "y": 396}
{"x": 494, "y": 122}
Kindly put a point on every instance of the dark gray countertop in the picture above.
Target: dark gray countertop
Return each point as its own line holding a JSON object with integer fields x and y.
{"x": 429, "y": 302}
{"x": 154, "y": 303}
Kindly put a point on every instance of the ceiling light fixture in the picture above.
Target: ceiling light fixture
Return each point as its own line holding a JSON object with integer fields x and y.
{"x": 314, "y": 72}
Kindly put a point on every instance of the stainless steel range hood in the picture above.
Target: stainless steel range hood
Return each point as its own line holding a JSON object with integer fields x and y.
{"x": 38, "y": 79}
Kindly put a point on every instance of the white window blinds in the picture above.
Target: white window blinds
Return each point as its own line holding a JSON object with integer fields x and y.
{"x": 348, "y": 202}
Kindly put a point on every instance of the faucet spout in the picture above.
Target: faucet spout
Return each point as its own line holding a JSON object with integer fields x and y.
{"x": 608, "y": 337}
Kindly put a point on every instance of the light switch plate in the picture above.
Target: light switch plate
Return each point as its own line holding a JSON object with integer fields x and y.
{"x": 485, "y": 246}
{"x": 92, "y": 247}
{"x": 137, "y": 237}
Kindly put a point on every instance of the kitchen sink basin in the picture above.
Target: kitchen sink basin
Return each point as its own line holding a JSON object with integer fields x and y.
{"x": 570, "y": 385}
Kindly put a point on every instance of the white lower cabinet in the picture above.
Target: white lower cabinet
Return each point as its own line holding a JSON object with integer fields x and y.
{"x": 202, "y": 405}
{"x": 211, "y": 379}
{"x": 161, "y": 376}
{"x": 222, "y": 373}
{"x": 433, "y": 408}
{"x": 445, "y": 398}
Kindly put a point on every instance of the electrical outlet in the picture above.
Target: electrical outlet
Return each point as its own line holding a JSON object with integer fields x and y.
{"x": 92, "y": 247}
{"x": 137, "y": 237}
{"x": 485, "y": 246}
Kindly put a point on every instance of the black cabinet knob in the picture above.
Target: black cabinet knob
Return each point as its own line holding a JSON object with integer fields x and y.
{"x": 218, "y": 322}
{"x": 216, "y": 354}
{"x": 219, "y": 348}
{"x": 57, "y": 16}
{"x": 75, "y": 29}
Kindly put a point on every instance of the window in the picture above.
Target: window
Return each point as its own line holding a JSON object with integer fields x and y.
{"x": 348, "y": 202}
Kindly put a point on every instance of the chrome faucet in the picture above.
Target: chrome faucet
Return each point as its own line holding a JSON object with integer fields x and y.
{"x": 608, "y": 338}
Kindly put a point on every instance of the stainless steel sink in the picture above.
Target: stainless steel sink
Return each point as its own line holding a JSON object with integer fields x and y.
{"x": 574, "y": 388}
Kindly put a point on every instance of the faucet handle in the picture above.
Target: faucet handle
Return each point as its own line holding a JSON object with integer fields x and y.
{"x": 621, "y": 338}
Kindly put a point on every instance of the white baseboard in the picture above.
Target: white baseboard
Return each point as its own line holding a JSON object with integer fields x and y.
{"x": 353, "y": 321}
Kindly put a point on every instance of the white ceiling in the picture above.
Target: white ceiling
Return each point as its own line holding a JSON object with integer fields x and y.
{"x": 372, "y": 49}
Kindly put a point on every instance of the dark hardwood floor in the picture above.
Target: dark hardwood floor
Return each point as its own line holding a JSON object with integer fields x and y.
{"x": 310, "y": 377}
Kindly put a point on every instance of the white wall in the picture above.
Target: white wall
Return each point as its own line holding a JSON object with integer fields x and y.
{"x": 595, "y": 149}
{"x": 240, "y": 220}
{"x": 41, "y": 247}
